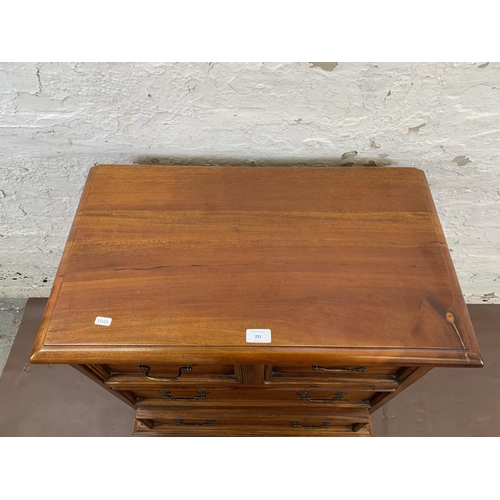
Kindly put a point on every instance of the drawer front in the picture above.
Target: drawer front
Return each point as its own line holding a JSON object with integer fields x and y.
{"x": 354, "y": 375}
{"x": 306, "y": 398}
{"x": 285, "y": 417}
{"x": 157, "y": 375}
{"x": 341, "y": 369}
{"x": 171, "y": 370}
{"x": 155, "y": 429}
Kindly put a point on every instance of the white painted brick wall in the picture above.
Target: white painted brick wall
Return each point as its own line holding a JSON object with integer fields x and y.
{"x": 57, "y": 120}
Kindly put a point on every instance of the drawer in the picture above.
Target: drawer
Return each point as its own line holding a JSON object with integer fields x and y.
{"x": 223, "y": 397}
{"x": 142, "y": 428}
{"x": 332, "y": 369}
{"x": 157, "y": 375}
{"x": 375, "y": 377}
{"x": 285, "y": 417}
{"x": 171, "y": 370}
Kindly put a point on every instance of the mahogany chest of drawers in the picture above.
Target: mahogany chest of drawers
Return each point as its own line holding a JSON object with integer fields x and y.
{"x": 256, "y": 301}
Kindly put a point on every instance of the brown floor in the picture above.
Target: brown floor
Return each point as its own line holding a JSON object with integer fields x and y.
{"x": 56, "y": 400}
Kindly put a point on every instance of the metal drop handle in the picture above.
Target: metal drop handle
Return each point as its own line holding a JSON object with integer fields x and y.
{"x": 166, "y": 395}
{"x": 323, "y": 425}
{"x": 326, "y": 369}
{"x": 147, "y": 368}
{"x": 207, "y": 423}
{"x": 338, "y": 396}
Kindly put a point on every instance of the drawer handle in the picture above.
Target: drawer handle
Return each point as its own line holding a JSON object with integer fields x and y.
{"x": 207, "y": 423}
{"x": 326, "y": 369}
{"x": 166, "y": 395}
{"x": 338, "y": 396}
{"x": 147, "y": 368}
{"x": 323, "y": 425}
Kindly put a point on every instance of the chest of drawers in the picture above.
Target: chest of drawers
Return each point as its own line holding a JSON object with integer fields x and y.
{"x": 256, "y": 301}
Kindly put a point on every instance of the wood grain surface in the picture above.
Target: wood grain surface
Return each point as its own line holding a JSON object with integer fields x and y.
{"x": 342, "y": 264}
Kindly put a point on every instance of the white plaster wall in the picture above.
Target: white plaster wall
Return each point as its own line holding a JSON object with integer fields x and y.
{"x": 57, "y": 120}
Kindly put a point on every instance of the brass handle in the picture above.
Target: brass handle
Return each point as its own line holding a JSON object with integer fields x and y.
{"x": 206, "y": 424}
{"x": 338, "y": 396}
{"x": 147, "y": 368}
{"x": 166, "y": 395}
{"x": 326, "y": 369}
{"x": 323, "y": 425}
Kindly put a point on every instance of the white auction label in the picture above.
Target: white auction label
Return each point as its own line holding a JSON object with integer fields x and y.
{"x": 100, "y": 320}
{"x": 262, "y": 335}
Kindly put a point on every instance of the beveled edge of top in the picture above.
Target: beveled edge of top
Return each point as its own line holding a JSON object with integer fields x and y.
{"x": 255, "y": 355}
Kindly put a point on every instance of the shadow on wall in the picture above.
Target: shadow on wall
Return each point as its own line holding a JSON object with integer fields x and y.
{"x": 348, "y": 159}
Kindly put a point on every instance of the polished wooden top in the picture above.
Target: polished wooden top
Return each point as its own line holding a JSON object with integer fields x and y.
{"x": 339, "y": 263}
